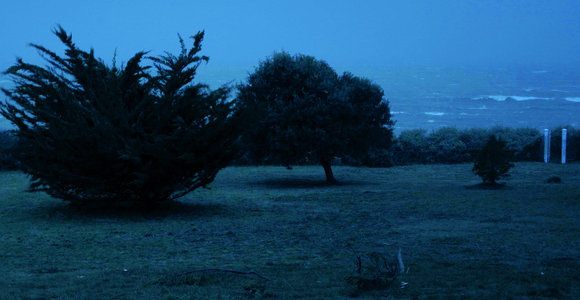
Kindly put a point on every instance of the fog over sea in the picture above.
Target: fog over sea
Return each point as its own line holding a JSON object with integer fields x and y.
{"x": 465, "y": 97}
{"x": 512, "y": 96}
{"x": 542, "y": 96}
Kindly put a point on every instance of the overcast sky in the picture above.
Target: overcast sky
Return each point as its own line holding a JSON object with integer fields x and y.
{"x": 344, "y": 33}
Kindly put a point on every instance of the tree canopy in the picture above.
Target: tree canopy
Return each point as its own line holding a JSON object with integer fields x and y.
{"x": 90, "y": 132}
{"x": 306, "y": 111}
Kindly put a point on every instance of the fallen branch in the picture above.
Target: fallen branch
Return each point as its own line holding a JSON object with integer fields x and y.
{"x": 373, "y": 271}
{"x": 224, "y": 270}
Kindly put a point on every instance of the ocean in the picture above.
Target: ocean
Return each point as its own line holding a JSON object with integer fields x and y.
{"x": 464, "y": 97}
{"x": 516, "y": 96}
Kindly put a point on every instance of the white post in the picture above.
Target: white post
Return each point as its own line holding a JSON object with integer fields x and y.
{"x": 564, "y": 131}
{"x": 546, "y": 145}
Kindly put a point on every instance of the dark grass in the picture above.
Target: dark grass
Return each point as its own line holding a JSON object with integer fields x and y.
{"x": 458, "y": 240}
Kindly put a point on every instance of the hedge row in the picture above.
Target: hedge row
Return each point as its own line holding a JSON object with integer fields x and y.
{"x": 447, "y": 145}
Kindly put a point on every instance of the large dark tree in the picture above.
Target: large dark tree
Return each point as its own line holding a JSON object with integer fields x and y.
{"x": 306, "y": 111}
{"x": 90, "y": 132}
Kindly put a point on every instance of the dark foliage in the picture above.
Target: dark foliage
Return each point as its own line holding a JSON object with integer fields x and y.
{"x": 8, "y": 161}
{"x": 493, "y": 161}
{"x": 572, "y": 143}
{"x": 524, "y": 142}
{"x": 308, "y": 113}
{"x": 412, "y": 147}
{"x": 101, "y": 134}
{"x": 449, "y": 145}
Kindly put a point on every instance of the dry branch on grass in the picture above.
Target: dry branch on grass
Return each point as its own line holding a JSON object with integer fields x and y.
{"x": 226, "y": 271}
{"x": 189, "y": 279}
{"x": 374, "y": 272}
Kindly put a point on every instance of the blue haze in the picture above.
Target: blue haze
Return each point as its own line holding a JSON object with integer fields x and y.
{"x": 441, "y": 63}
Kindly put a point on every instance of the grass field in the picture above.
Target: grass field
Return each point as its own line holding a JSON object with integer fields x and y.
{"x": 458, "y": 241}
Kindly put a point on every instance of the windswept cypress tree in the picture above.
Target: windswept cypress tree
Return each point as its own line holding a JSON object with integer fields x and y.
{"x": 106, "y": 134}
{"x": 307, "y": 111}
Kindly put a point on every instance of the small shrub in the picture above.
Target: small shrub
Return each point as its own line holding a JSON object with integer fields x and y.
{"x": 493, "y": 161}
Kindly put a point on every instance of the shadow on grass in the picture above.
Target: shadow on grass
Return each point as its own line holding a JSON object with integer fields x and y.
{"x": 490, "y": 186}
{"x": 161, "y": 211}
{"x": 304, "y": 183}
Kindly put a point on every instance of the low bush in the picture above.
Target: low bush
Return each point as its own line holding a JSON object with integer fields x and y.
{"x": 474, "y": 139}
{"x": 374, "y": 158}
{"x": 449, "y": 145}
{"x": 446, "y": 146}
{"x": 525, "y": 142}
{"x": 411, "y": 147}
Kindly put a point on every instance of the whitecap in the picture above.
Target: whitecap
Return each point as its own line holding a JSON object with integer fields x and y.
{"x": 524, "y": 98}
{"x": 434, "y": 113}
{"x": 494, "y": 97}
{"x": 572, "y": 99}
{"x": 516, "y": 98}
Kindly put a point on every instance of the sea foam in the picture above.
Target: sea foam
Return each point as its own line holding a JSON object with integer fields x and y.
{"x": 516, "y": 98}
{"x": 523, "y": 98}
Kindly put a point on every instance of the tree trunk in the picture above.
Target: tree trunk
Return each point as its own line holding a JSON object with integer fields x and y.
{"x": 328, "y": 171}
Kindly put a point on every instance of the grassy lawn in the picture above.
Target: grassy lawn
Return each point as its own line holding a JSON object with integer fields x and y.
{"x": 457, "y": 241}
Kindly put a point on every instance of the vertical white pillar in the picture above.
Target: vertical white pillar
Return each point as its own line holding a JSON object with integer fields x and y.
{"x": 546, "y": 145}
{"x": 564, "y": 131}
